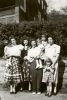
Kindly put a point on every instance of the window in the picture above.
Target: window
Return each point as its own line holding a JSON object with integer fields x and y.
{"x": 6, "y": 3}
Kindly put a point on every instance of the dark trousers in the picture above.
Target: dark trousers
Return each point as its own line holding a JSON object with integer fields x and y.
{"x": 36, "y": 77}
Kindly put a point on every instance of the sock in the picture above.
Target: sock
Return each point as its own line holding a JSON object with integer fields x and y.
{"x": 11, "y": 88}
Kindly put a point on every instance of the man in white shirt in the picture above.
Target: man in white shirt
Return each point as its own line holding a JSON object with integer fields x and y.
{"x": 53, "y": 51}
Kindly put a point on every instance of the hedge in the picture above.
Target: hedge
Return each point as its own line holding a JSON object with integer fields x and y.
{"x": 58, "y": 30}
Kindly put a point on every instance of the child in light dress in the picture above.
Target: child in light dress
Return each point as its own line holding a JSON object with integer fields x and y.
{"x": 48, "y": 76}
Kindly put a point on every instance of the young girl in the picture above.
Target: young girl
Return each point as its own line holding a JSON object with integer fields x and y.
{"x": 48, "y": 76}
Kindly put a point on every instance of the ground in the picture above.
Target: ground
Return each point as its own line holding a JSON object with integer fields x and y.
{"x": 5, "y": 95}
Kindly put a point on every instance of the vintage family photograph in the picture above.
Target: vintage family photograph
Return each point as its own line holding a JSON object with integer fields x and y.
{"x": 33, "y": 49}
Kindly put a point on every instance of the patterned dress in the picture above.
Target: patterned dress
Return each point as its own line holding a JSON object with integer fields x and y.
{"x": 13, "y": 72}
{"x": 26, "y": 68}
{"x": 13, "y": 67}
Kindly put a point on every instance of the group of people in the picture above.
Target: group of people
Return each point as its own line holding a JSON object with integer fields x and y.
{"x": 35, "y": 63}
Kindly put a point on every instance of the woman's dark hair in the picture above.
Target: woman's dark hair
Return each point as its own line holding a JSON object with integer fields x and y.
{"x": 11, "y": 37}
{"x": 52, "y": 38}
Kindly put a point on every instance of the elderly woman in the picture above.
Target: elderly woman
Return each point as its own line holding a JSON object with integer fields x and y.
{"x": 13, "y": 69}
{"x": 53, "y": 51}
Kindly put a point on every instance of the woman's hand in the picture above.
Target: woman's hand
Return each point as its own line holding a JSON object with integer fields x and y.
{"x": 5, "y": 57}
{"x": 25, "y": 58}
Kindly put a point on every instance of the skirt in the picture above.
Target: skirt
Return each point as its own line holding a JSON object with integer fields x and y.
{"x": 26, "y": 71}
{"x": 13, "y": 70}
{"x": 48, "y": 77}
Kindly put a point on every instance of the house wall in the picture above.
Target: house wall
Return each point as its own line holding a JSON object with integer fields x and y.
{"x": 7, "y": 16}
{"x": 30, "y": 11}
{"x": 7, "y": 11}
{"x": 10, "y": 13}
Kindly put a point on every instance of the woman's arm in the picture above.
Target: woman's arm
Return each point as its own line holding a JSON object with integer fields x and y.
{"x": 57, "y": 55}
{"x": 52, "y": 70}
{"x": 5, "y": 52}
{"x": 45, "y": 68}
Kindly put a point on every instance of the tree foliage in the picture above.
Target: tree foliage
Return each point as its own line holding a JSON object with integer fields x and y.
{"x": 34, "y": 29}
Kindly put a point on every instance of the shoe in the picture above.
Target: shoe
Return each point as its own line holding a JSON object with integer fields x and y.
{"x": 38, "y": 93}
{"x": 34, "y": 93}
{"x": 46, "y": 94}
{"x": 49, "y": 94}
{"x": 11, "y": 92}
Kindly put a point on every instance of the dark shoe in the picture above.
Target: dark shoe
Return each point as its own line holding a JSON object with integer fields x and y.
{"x": 11, "y": 92}
{"x": 15, "y": 92}
{"x": 49, "y": 94}
{"x": 46, "y": 94}
{"x": 54, "y": 93}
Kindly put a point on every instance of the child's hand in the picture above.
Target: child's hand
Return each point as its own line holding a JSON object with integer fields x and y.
{"x": 52, "y": 70}
{"x": 37, "y": 57}
{"x": 53, "y": 65}
{"x": 48, "y": 68}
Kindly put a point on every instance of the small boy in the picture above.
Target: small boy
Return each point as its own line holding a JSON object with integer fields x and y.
{"x": 40, "y": 49}
{"x": 48, "y": 76}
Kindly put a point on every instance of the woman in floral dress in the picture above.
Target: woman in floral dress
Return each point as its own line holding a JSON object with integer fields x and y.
{"x": 12, "y": 54}
{"x": 26, "y": 64}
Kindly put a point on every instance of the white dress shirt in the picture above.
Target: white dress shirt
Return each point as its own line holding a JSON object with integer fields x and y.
{"x": 51, "y": 51}
{"x": 13, "y": 50}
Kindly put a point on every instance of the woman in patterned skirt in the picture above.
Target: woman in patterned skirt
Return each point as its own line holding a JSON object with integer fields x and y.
{"x": 13, "y": 69}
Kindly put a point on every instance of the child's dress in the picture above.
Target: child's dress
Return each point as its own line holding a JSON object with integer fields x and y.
{"x": 48, "y": 75}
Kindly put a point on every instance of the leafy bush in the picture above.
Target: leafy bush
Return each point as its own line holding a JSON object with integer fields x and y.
{"x": 34, "y": 29}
